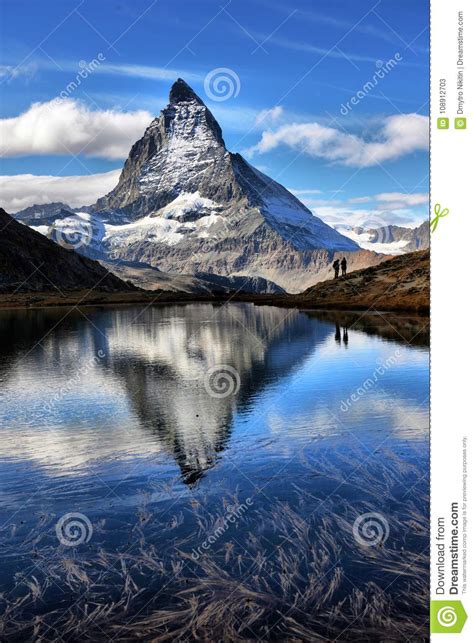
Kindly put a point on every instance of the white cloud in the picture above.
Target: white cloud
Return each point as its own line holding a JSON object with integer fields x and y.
{"x": 64, "y": 127}
{"x": 377, "y": 210}
{"x": 22, "y": 190}
{"x": 417, "y": 198}
{"x": 403, "y": 198}
{"x": 308, "y": 192}
{"x": 398, "y": 135}
{"x": 269, "y": 115}
{"x": 345, "y": 215}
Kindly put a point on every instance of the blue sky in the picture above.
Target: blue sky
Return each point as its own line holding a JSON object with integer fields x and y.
{"x": 294, "y": 64}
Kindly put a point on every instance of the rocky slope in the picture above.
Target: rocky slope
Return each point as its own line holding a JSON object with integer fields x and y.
{"x": 42, "y": 214}
{"x": 185, "y": 204}
{"x": 418, "y": 238}
{"x": 31, "y": 263}
{"x": 152, "y": 279}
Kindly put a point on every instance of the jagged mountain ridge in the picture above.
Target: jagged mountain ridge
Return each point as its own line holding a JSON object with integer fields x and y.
{"x": 181, "y": 151}
{"x": 43, "y": 214}
{"x": 389, "y": 239}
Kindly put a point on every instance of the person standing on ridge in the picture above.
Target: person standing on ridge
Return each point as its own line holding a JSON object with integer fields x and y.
{"x": 344, "y": 266}
{"x": 335, "y": 265}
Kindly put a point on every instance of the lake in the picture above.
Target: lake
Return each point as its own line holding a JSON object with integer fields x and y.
{"x": 222, "y": 472}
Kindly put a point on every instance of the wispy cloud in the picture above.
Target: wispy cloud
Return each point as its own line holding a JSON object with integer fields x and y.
{"x": 371, "y": 211}
{"x": 10, "y": 72}
{"x": 300, "y": 45}
{"x": 148, "y": 72}
{"x": 375, "y": 30}
{"x": 401, "y": 198}
{"x": 331, "y": 52}
{"x": 267, "y": 116}
{"x": 305, "y": 193}
{"x": 397, "y": 136}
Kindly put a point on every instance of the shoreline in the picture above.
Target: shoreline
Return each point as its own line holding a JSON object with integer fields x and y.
{"x": 77, "y": 299}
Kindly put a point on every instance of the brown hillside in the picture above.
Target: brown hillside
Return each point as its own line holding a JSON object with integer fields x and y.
{"x": 402, "y": 283}
{"x": 29, "y": 262}
{"x": 398, "y": 284}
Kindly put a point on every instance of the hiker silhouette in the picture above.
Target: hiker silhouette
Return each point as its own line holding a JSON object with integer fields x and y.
{"x": 344, "y": 266}
{"x": 345, "y": 336}
{"x": 337, "y": 335}
{"x": 335, "y": 265}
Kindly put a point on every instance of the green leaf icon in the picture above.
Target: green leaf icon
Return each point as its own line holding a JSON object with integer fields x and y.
{"x": 447, "y": 617}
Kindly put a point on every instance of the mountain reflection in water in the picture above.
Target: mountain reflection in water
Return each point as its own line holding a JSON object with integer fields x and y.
{"x": 140, "y": 386}
{"x": 107, "y": 413}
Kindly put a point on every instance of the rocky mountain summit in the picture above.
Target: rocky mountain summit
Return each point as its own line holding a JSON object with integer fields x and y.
{"x": 185, "y": 204}
{"x": 182, "y": 151}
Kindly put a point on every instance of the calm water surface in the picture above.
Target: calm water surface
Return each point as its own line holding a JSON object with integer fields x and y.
{"x": 113, "y": 414}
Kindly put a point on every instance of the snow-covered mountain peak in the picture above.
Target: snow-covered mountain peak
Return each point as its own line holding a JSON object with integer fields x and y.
{"x": 185, "y": 204}
{"x": 187, "y": 117}
{"x": 182, "y": 150}
{"x": 183, "y": 153}
{"x": 192, "y": 144}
